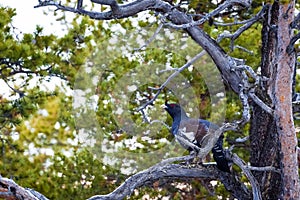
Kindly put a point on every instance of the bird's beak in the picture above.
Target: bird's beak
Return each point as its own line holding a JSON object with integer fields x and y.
{"x": 164, "y": 106}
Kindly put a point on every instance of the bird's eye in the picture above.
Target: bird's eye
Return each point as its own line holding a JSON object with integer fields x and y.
{"x": 172, "y": 105}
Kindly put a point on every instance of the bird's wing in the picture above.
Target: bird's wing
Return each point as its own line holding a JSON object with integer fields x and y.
{"x": 197, "y": 130}
{"x": 194, "y": 130}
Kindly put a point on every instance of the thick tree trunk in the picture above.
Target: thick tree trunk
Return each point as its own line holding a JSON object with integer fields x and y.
{"x": 273, "y": 138}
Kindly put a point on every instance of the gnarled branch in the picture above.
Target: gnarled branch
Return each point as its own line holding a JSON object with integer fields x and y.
{"x": 10, "y": 190}
{"x": 167, "y": 170}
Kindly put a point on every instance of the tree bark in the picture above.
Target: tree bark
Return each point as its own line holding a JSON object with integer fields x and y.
{"x": 273, "y": 138}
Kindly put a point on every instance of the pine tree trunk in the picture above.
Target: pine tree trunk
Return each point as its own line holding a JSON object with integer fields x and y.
{"x": 273, "y": 138}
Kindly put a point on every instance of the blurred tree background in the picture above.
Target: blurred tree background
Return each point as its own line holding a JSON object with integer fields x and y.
{"x": 85, "y": 136}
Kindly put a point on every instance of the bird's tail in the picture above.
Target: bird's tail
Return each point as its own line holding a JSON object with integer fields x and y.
{"x": 219, "y": 156}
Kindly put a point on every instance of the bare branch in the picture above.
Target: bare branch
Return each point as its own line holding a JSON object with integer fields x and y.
{"x": 296, "y": 23}
{"x": 161, "y": 122}
{"x": 166, "y": 170}
{"x": 261, "y": 103}
{"x": 158, "y": 171}
{"x": 152, "y": 38}
{"x": 255, "y": 186}
{"x": 243, "y": 49}
{"x": 10, "y": 190}
{"x": 245, "y": 91}
{"x": 237, "y": 22}
{"x": 267, "y": 168}
{"x": 221, "y": 7}
{"x": 241, "y": 140}
{"x": 237, "y": 33}
{"x": 290, "y": 47}
{"x": 118, "y": 10}
{"x": 79, "y": 4}
{"x": 189, "y": 63}
{"x": 145, "y": 118}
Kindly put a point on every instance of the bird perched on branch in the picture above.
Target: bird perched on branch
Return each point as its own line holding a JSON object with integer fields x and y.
{"x": 194, "y": 132}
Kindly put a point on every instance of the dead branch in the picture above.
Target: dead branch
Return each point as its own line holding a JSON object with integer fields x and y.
{"x": 118, "y": 11}
{"x": 241, "y": 140}
{"x": 220, "y": 8}
{"x": 243, "y": 28}
{"x": 296, "y": 23}
{"x": 255, "y": 186}
{"x": 150, "y": 39}
{"x": 167, "y": 170}
{"x": 259, "y": 102}
{"x": 290, "y": 47}
{"x": 178, "y": 71}
{"x": 10, "y": 190}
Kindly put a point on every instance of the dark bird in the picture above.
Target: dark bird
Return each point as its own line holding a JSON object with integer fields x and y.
{"x": 195, "y": 130}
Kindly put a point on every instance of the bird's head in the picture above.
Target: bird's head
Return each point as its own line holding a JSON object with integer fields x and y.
{"x": 174, "y": 110}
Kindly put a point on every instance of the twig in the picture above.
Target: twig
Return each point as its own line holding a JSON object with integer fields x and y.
{"x": 21, "y": 93}
{"x": 145, "y": 117}
{"x": 79, "y": 4}
{"x": 161, "y": 122}
{"x": 240, "y": 30}
{"x": 267, "y": 168}
{"x": 259, "y": 102}
{"x": 241, "y": 140}
{"x": 245, "y": 91}
{"x": 243, "y": 49}
{"x": 189, "y": 63}
{"x": 151, "y": 39}
{"x": 236, "y": 22}
{"x": 250, "y": 71}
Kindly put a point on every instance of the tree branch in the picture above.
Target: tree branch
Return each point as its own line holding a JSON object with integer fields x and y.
{"x": 290, "y": 47}
{"x": 254, "y": 184}
{"x": 166, "y": 170}
{"x": 10, "y": 190}
{"x": 259, "y": 102}
{"x": 240, "y": 30}
{"x": 79, "y": 4}
{"x": 118, "y": 11}
{"x": 178, "y": 71}
{"x": 152, "y": 37}
{"x": 296, "y": 23}
{"x": 220, "y": 8}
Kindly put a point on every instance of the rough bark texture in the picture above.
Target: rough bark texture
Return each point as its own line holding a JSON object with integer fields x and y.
{"x": 281, "y": 90}
{"x": 273, "y": 138}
